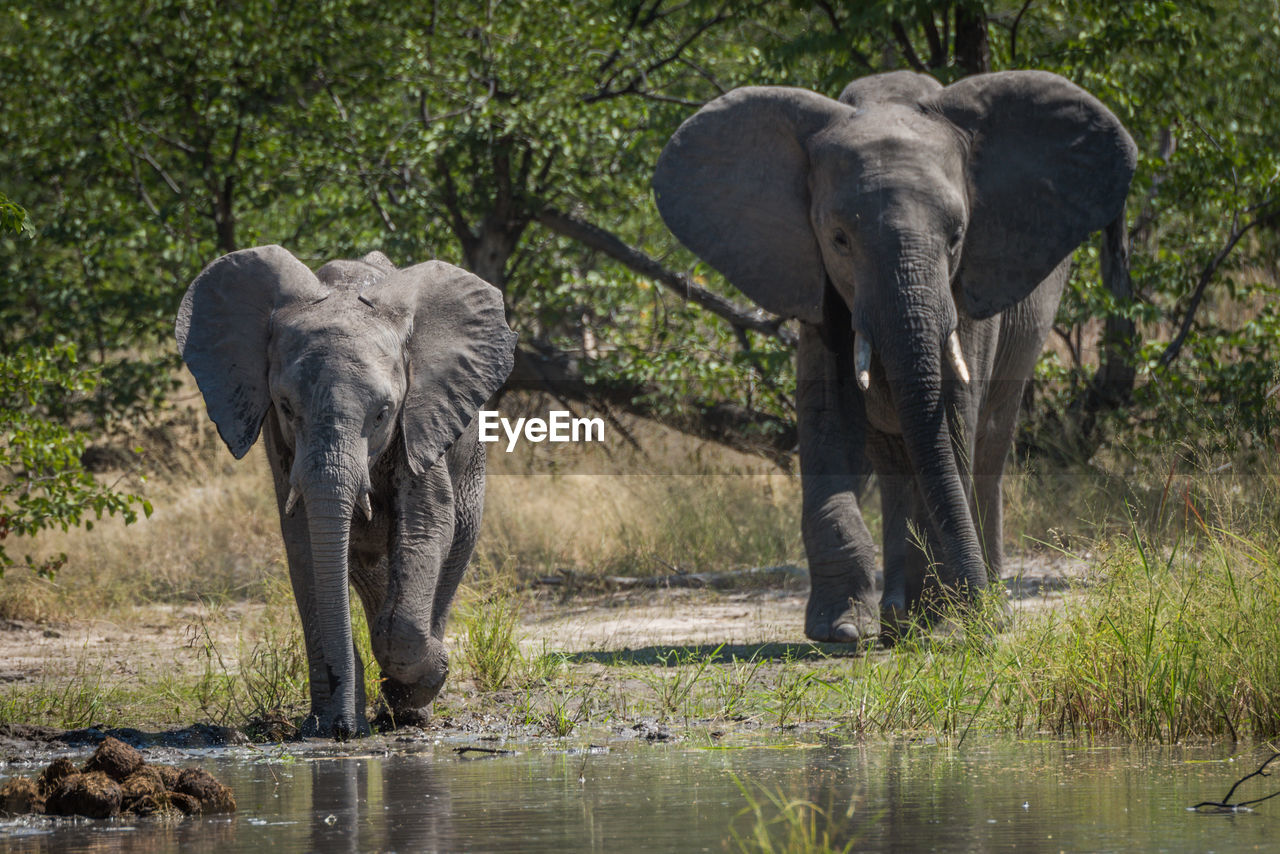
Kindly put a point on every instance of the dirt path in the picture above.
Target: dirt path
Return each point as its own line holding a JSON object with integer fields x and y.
{"x": 150, "y": 642}
{"x": 680, "y": 617}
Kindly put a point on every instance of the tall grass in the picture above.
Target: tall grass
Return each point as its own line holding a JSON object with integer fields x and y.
{"x": 775, "y": 823}
{"x": 1173, "y": 645}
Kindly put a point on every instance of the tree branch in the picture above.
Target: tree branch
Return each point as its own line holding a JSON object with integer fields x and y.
{"x": 1206, "y": 275}
{"x": 937, "y": 51}
{"x": 904, "y": 42}
{"x": 1226, "y": 805}
{"x": 610, "y": 244}
{"x": 1013, "y": 33}
{"x": 633, "y": 87}
{"x": 449, "y": 195}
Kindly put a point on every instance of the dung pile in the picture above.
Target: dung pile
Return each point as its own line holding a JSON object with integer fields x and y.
{"x": 116, "y": 780}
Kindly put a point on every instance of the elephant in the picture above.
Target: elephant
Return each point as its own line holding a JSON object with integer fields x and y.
{"x": 921, "y": 235}
{"x": 365, "y": 382}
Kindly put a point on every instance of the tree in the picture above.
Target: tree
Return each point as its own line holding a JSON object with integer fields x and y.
{"x": 42, "y": 483}
{"x": 519, "y": 144}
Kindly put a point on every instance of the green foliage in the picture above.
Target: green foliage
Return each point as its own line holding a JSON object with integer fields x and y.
{"x": 13, "y": 217}
{"x": 42, "y": 483}
{"x": 1191, "y": 82}
{"x": 489, "y": 650}
{"x": 153, "y": 142}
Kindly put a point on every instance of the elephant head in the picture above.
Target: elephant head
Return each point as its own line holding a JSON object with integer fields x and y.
{"x": 915, "y": 203}
{"x": 359, "y": 361}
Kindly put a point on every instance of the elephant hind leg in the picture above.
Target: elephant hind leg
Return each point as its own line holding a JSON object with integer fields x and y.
{"x": 988, "y": 481}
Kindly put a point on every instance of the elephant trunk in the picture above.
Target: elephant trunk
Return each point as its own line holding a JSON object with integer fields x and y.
{"x": 330, "y": 502}
{"x": 913, "y": 365}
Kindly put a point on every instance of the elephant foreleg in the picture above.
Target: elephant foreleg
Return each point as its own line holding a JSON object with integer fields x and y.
{"x": 413, "y": 661}
{"x": 834, "y": 473}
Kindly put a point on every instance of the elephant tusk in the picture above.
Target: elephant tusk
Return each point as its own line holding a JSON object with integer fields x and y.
{"x": 367, "y": 507}
{"x": 956, "y": 355}
{"x": 862, "y": 360}
{"x": 292, "y": 501}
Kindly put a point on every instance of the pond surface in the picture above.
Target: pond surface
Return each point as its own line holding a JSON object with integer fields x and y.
{"x": 888, "y": 796}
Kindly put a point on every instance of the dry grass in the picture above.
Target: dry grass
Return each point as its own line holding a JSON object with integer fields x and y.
{"x": 1174, "y": 640}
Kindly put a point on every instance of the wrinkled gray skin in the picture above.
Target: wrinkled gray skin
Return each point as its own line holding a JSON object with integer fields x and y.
{"x": 896, "y": 216}
{"x": 365, "y": 382}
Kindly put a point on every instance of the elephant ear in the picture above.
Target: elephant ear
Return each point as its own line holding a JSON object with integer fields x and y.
{"x": 905, "y": 87}
{"x": 460, "y": 351}
{"x": 1048, "y": 165}
{"x": 732, "y": 185}
{"x": 223, "y": 326}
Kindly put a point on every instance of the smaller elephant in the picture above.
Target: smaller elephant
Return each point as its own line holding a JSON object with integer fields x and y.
{"x": 365, "y": 381}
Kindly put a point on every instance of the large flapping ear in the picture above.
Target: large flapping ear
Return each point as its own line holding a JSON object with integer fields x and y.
{"x": 906, "y": 87}
{"x": 1049, "y": 164}
{"x": 733, "y": 184}
{"x": 460, "y": 351}
{"x": 223, "y": 326}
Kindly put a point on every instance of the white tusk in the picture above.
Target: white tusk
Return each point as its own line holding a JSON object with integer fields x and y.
{"x": 292, "y": 501}
{"x": 367, "y": 507}
{"x": 957, "y": 358}
{"x": 862, "y": 360}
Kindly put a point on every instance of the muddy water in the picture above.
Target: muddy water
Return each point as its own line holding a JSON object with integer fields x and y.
{"x": 903, "y": 796}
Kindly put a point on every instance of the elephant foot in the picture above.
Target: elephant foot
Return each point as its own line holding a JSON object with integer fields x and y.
{"x": 340, "y": 728}
{"x": 893, "y": 623}
{"x": 391, "y": 719}
{"x": 405, "y": 700}
{"x": 835, "y": 615}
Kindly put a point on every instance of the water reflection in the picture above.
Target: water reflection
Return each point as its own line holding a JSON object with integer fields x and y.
{"x": 899, "y": 796}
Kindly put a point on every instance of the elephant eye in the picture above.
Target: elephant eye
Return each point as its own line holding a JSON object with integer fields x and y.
{"x": 956, "y": 237}
{"x": 381, "y": 416}
{"x": 286, "y": 410}
{"x": 840, "y": 239}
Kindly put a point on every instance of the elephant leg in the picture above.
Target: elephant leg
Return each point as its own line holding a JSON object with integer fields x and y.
{"x": 408, "y": 703}
{"x": 413, "y": 661}
{"x": 834, "y": 473}
{"x": 897, "y": 489}
{"x": 467, "y": 468}
{"x": 989, "y": 460}
{"x": 1023, "y": 330}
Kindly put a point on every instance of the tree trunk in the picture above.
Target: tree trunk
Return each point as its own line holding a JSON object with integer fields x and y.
{"x": 973, "y": 52}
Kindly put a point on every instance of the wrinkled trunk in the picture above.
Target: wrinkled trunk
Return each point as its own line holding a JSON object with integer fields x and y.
{"x": 913, "y": 365}
{"x": 329, "y": 518}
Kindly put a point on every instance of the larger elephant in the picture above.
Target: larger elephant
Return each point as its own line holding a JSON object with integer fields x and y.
{"x": 922, "y": 235}
{"x": 365, "y": 381}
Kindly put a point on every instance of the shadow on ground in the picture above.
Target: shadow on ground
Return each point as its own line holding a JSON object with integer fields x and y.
{"x": 667, "y": 655}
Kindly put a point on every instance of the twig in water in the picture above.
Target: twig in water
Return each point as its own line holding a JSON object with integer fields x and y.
{"x": 1225, "y": 804}
{"x": 488, "y": 751}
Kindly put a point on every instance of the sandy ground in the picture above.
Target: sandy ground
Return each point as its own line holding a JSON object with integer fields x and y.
{"x": 147, "y": 641}
{"x": 677, "y": 617}
{"x": 156, "y": 639}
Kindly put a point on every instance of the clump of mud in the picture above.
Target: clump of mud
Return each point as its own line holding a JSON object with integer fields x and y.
{"x": 116, "y": 780}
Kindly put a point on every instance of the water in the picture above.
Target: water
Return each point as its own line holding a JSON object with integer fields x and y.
{"x": 901, "y": 796}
